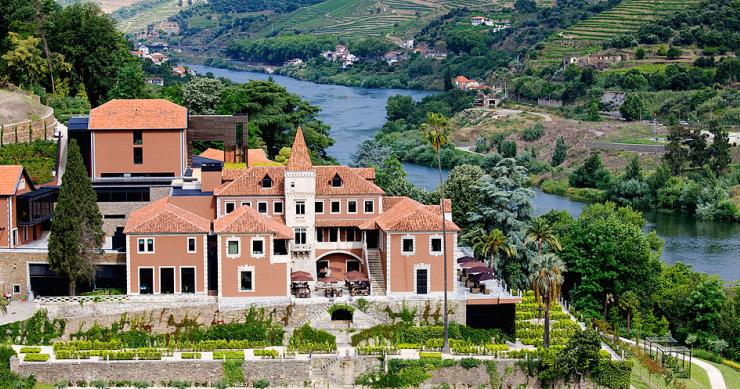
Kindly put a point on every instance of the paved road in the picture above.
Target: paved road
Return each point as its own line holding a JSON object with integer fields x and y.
{"x": 17, "y": 311}
{"x": 716, "y": 380}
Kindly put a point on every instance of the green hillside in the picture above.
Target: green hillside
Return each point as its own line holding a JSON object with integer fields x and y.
{"x": 586, "y": 36}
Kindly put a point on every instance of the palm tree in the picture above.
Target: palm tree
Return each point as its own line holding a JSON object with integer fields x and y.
{"x": 436, "y": 131}
{"x": 493, "y": 244}
{"x": 540, "y": 230}
{"x": 3, "y": 305}
{"x": 546, "y": 277}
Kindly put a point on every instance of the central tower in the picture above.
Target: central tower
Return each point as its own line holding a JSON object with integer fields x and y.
{"x": 300, "y": 196}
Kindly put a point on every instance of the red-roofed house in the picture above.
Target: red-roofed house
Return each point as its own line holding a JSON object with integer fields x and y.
{"x": 23, "y": 207}
{"x": 166, "y": 250}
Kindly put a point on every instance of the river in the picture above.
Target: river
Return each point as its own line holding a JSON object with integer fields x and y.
{"x": 355, "y": 114}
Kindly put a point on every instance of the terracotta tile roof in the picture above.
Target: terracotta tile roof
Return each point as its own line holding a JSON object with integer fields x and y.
{"x": 212, "y": 153}
{"x": 9, "y": 176}
{"x": 435, "y": 208}
{"x": 340, "y": 222}
{"x": 352, "y": 181}
{"x": 250, "y": 180}
{"x": 254, "y": 156}
{"x": 390, "y": 201}
{"x": 245, "y": 220}
{"x": 138, "y": 114}
{"x": 231, "y": 174}
{"x": 367, "y": 173}
{"x": 163, "y": 217}
{"x": 300, "y": 158}
{"x": 409, "y": 215}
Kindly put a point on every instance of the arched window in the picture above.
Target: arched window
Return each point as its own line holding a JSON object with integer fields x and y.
{"x": 267, "y": 182}
{"x": 336, "y": 181}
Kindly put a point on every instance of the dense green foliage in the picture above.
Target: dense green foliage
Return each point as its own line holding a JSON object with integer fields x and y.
{"x": 37, "y": 157}
{"x": 279, "y": 49}
{"x": 36, "y": 330}
{"x": 592, "y": 174}
{"x": 228, "y": 6}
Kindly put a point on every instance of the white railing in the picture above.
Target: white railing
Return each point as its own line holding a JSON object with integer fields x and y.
{"x": 82, "y": 299}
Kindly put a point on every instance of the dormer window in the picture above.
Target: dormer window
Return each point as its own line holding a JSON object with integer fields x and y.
{"x": 267, "y": 182}
{"x": 336, "y": 181}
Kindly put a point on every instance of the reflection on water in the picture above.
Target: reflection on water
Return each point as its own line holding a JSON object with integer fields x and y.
{"x": 355, "y": 114}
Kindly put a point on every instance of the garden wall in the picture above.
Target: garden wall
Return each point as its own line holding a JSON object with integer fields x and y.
{"x": 41, "y": 128}
{"x": 326, "y": 371}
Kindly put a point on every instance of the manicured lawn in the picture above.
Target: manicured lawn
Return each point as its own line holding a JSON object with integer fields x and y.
{"x": 40, "y": 385}
{"x": 732, "y": 376}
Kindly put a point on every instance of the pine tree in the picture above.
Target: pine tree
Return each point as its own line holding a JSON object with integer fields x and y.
{"x": 448, "y": 80}
{"x": 558, "y": 156}
{"x": 76, "y": 229}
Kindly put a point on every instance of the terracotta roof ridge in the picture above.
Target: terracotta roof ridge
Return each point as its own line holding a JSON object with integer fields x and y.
{"x": 175, "y": 210}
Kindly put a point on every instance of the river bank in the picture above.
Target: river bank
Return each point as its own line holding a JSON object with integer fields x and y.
{"x": 356, "y": 114}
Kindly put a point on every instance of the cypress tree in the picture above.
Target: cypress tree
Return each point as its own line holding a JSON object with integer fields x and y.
{"x": 76, "y": 229}
{"x": 558, "y": 156}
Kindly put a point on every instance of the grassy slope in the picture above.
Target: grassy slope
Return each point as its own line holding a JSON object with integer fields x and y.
{"x": 150, "y": 16}
{"x": 586, "y": 36}
{"x": 639, "y": 379}
{"x": 731, "y": 376}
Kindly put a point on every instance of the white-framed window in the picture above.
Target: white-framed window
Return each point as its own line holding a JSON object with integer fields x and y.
{"x": 352, "y": 206}
{"x": 300, "y": 207}
{"x": 277, "y": 207}
{"x": 336, "y": 206}
{"x": 435, "y": 245}
{"x": 369, "y": 206}
{"x": 351, "y": 235}
{"x": 247, "y": 203}
{"x": 258, "y": 247}
{"x": 266, "y": 182}
{"x": 16, "y": 288}
{"x": 408, "y": 245}
{"x": 14, "y": 237}
{"x": 192, "y": 245}
{"x": 262, "y": 207}
{"x": 319, "y": 206}
{"x": 300, "y": 235}
{"x": 246, "y": 280}
{"x": 333, "y": 234}
{"x": 229, "y": 207}
{"x": 233, "y": 247}
{"x": 319, "y": 234}
{"x": 145, "y": 245}
{"x": 21, "y": 184}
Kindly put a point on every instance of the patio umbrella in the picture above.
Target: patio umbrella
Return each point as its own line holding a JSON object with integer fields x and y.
{"x": 300, "y": 277}
{"x": 466, "y": 259}
{"x": 305, "y": 273}
{"x": 479, "y": 269}
{"x": 468, "y": 265}
{"x": 356, "y": 276}
{"x": 483, "y": 277}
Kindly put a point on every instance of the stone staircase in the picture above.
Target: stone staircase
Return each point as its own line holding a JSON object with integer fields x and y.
{"x": 375, "y": 268}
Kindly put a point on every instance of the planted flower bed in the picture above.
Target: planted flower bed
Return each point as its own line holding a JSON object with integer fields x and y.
{"x": 228, "y": 355}
{"x": 36, "y": 357}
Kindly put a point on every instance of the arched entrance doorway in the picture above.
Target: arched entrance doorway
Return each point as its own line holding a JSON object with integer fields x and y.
{"x": 338, "y": 263}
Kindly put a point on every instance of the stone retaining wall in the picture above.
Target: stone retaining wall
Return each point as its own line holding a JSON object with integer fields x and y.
{"x": 323, "y": 371}
{"x": 156, "y": 310}
{"x": 42, "y": 128}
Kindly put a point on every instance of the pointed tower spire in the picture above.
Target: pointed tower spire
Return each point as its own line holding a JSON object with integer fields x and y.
{"x": 300, "y": 159}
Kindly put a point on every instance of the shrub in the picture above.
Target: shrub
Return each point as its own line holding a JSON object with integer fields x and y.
{"x": 30, "y": 350}
{"x": 430, "y": 355}
{"x": 228, "y": 355}
{"x": 190, "y": 355}
{"x": 554, "y": 186}
{"x": 341, "y": 307}
{"x": 307, "y": 339}
{"x": 36, "y": 358}
{"x": 261, "y": 384}
{"x": 533, "y": 133}
{"x": 362, "y": 304}
{"x": 266, "y": 353}
{"x": 469, "y": 363}
{"x": 233, "y": 372}
{"x": 179, "y": 384}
